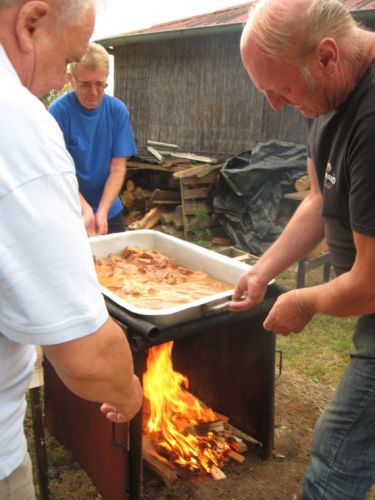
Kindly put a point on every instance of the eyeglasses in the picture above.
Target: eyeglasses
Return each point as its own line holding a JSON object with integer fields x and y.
{"x": 89, "y": 85}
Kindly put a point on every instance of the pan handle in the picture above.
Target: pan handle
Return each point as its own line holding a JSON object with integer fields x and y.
{"x": 209, "y": 309}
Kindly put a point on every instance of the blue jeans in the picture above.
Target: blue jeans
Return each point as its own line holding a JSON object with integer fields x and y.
{"x": 342, "y": 463}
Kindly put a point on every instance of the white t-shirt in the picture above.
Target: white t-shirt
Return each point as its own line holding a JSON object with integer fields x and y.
{"x": 48, "y": 288}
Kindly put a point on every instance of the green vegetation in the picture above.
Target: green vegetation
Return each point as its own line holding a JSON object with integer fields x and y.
{"x": 201, "y": 233}
{"x": 321, "y": 350}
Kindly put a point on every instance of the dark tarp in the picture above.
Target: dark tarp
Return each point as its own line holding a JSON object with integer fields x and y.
{"x": 249, "y": 192}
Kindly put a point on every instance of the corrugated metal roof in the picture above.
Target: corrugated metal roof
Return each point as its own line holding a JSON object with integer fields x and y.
{"x": 229, "y": 16}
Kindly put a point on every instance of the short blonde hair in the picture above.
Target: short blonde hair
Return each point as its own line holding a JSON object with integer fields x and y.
{"x": 96, "y": 57}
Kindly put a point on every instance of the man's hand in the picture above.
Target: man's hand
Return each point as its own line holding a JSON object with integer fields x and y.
{"x": 101, "y": 222}
{"x": 120, "y": 416}
{"x": 249, "y": 291}
{"x": 287, "y": 315}
{"x": 88, "y": 216}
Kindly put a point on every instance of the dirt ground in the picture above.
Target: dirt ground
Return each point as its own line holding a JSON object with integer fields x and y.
{"x": 298, "y": 404}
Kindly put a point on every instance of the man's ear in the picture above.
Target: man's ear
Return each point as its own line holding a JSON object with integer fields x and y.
{"x": 31, "y": 18}
{"x": 327, "y": 52}
{"x": 69, "y": 78}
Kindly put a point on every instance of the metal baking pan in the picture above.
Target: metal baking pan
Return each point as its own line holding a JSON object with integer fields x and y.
{"x": 185, "y": 254}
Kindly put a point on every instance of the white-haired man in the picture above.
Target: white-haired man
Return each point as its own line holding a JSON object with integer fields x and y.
{"x": 49, "y": 294}
{"x": 311, "y": 55}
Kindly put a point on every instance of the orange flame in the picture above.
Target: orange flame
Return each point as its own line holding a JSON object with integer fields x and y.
{"x": 174, "y": 412}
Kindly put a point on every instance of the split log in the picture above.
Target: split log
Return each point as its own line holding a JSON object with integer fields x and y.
{"x": 142, "y": 194}
{"x": 162, "y": 197}
{"x": 130, "y": 186}
{"x": 205, "y": 427}
{"x": 243, "y": 435}
{"x": 152, "y": 221}
{"x": 151, "y": 215}
{"x": 217, "y": 473}
{"x": 303, "y": 183}
{"x": 238, "y": 446}
{"x": 127, "y": 199}
{"x": 236, "y": 456}
{"x": 156, "y": 463}
{"x": 216, "y": 240}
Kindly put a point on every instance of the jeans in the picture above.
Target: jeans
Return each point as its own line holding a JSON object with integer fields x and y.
{"x": 116, "y": 224}
{"x": 342, "y": 463}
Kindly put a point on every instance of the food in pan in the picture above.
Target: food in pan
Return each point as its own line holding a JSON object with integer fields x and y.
{"x": 148, "y": 279}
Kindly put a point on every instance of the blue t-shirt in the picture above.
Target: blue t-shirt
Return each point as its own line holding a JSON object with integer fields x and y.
{"x": 93, "y": 138}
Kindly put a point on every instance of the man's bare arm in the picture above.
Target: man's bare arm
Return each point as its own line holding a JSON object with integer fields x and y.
{"x": 99, "y": 368}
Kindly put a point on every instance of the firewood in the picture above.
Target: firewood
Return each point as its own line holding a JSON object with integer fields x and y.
{"x": 217, "y": 473}
{"x": 127, "y": 199}
{"x": 130, "y": 186}
{"x": 303, "y": 183}
{"x": 156, "y": 463}
{"x": 205, "y": 427}
{"x": 236, "y": 456}
{"x": 238, "y": 446}
{"x": 142, "y": 194}
{"x": 153, "y": 221}
{"x": 160, "y": 196}
{"x": 140, "y": 224}
{"x": 221, "y": 241}
{"x": 243, "y": 435}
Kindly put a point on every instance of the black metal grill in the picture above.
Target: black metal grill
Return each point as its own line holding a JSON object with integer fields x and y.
{"x": 230, "y": 362}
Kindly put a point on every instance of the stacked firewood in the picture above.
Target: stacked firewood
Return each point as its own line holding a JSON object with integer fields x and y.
{"x": 156, "y": 208}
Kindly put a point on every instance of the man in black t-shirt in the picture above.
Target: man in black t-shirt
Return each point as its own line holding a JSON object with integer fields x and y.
{"x": 310, "y": 54}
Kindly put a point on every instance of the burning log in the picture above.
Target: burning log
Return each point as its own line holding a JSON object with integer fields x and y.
{"x": 213, "y": 426}
{"x": 217, "y": 473}
{"x": 238, "y": 446}
{"x": 236, "y": 456}
{"x": 243, "y": 435}
{"x": 156, "y": 463}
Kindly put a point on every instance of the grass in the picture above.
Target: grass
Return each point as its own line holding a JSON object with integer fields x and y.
{"x": 321, "y": 350}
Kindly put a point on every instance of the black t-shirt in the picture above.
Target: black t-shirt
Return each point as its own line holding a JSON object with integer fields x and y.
{"x": 342, "y": 147}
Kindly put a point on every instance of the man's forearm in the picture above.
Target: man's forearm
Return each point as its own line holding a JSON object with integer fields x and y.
{"x": 98, "y": 367}
{"x": 113, "y": 184}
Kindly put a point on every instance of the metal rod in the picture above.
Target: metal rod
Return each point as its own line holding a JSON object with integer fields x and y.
{"x": 40, "y": 442}
{"x": 135, "y": 441}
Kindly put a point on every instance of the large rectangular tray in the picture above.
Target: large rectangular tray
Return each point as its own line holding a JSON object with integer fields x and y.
{"x": 185, "y": 254}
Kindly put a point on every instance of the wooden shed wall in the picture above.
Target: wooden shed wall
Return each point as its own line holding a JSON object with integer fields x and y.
{"x": 194, "y": 92}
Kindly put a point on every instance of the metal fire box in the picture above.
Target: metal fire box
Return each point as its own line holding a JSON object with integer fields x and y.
{"x": 230, "y": 362}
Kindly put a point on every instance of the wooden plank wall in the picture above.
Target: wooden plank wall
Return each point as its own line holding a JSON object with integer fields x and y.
{"x": 194, "y": 92}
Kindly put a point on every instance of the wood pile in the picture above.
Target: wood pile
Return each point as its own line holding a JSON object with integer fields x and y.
{"x": 172, "y": 200}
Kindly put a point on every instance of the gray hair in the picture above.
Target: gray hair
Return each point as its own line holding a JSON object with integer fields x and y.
{"x": 96, "y": 57}
{"x": 66, "y": 11}
{"x": 294, "y": 33}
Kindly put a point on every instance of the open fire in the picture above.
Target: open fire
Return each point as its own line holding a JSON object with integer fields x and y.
{"x": 182, "y": 430}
